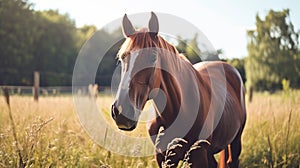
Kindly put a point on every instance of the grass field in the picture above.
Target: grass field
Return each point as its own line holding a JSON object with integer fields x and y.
{"x": 49, "y": 134}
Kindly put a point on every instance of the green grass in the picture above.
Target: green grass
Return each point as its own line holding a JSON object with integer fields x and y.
{"x": 50, "y": 134}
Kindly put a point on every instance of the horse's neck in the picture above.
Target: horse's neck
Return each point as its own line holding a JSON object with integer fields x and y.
{"x": 173, "y": 95}
{"x": 181, "y": 88}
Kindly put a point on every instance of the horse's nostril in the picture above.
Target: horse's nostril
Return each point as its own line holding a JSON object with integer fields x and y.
{"x": 114, "y": 111}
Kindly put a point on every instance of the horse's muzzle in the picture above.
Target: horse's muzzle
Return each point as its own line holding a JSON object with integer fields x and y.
{"x": 114, "y": 112}
{"x": 123, "y": 122}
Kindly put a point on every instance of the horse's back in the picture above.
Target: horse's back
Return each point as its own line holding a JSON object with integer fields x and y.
{"x": 224, "y": 78}
{"x": 225, "y": 88}
{"x": 221, "y": 73}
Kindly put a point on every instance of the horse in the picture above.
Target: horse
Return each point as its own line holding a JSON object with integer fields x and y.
{"x": 192, "y": 102}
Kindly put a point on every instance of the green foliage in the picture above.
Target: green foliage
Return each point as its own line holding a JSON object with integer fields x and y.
{"x": 56, "y": 47}
{"x": 16, "y": 40}
{"x": 189, "y": 47}
{"x": 182, "y": 44}
{"x": 46, "y": 41}
{"x": 273, "y": 52}
{"x": 193, "y": 51}
{"x": 85, "y": 33}
{"x": 239, "y": 64}
{"x": 286, "y": 87}
{"x": 108, "y": 65}
{"x": 49, "y": 42}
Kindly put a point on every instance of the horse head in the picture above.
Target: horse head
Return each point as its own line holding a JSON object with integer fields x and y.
{"x": 138, "y": 57}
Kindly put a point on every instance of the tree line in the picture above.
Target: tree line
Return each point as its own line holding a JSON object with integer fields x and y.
{"x": 273, "y": 60}
{"x": 274, "y": 55}
{"x": 49, "y": 42}
{"x": 44, "y": 41}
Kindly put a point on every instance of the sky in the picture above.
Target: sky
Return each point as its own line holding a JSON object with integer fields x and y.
{"x": 224, "y": 23}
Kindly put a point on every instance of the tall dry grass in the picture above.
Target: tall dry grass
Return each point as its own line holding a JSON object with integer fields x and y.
{"x": 50, "y": 134}
{"x": 271, "y": 137}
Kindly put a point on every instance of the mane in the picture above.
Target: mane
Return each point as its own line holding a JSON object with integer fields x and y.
{"x": 144, "y": 39}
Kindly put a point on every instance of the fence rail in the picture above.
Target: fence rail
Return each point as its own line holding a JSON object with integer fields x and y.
{"x": 52, "y": 90}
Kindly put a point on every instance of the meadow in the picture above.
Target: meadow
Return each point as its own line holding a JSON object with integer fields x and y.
{"x": 49, "y": 134}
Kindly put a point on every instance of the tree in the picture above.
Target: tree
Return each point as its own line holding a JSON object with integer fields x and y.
{"x": 193, "y": 51}
{"x": 55, "y": 49}
{"x": 110, "y": 46}
{"x": 273, "y": 52}
{"x": 239, "y": 64}
{"x": 30, "y": 40}
{"x": 189, "y": 47}
{"x": 182, "y": 44}
{"x": 48, "y": 42}
{"x": 17, "y": 31}
{"x": 85, "y": 33}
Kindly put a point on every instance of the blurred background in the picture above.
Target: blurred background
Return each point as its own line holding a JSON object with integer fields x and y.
{"x": 261, "y": 39}
{"x": 40, "y": 41}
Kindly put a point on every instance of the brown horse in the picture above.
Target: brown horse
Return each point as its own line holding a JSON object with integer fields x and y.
{"x": 193, "y": 102}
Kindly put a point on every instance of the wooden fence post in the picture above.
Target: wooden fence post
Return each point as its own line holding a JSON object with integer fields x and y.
{"x": 36, "y": 85}
{"x": 250, "y": 94}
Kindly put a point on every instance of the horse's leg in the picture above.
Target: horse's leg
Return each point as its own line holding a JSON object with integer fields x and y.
{"x": 235, "y": 147}
{"x": 225, "y": 157}
{"x": 159, "y": 159}
{"x": 228, "y": 155}
{"x": 222, "y": 159}
{"x": 198, "y": 158}
{"x": 212, "y": 163}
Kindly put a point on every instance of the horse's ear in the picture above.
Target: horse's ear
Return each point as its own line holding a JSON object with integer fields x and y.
{"x": 127, "y": 27}
{"x": 153, "y": 24}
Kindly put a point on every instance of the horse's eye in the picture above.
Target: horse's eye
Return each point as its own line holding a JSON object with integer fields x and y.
{"x": 124, "y": 55}
{"x": 124, "y": 59}
{"x": 142, "y": 83}
{"x": 118, "y": 62}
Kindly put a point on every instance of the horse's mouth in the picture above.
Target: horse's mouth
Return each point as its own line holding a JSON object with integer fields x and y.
{"x": 125, "y": 128}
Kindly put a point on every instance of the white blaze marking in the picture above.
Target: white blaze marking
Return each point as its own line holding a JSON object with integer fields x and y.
{"x": 126, "y": 76}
